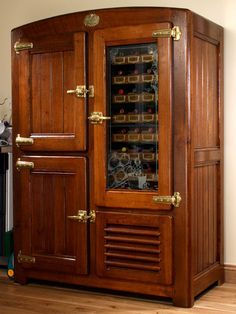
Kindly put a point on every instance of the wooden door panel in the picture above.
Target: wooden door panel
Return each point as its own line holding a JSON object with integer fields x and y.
{"x": 53, "y": 190}
{"x": 54, "y": 119}
{"x": 134, "y": 247}
{"x": 125, "y": 36}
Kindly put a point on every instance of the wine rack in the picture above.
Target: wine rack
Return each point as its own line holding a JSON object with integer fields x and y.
{"x": 132, "y": 161}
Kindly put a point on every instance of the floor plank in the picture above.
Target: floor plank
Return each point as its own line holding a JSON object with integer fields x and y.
{"x": 37, "y": 298}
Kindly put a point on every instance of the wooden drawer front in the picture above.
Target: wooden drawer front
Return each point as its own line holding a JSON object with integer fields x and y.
{"x": 134, "y": 247}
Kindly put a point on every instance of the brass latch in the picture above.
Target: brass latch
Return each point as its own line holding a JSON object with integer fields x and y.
{"x": 23, "y": 140}
{"x": 97, "y": 117}
{"x": 169, "y": 200}
{"x": 24, "y": 164}
{"x": 81, "y": 91}
{"x": 168, "y": 32}
{"x": 22, "y": 46}
{"x": 82, "y": 216}
{"x": 25, "y": 258}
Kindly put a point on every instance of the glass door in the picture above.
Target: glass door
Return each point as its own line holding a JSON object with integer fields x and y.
{"x": 133, "y": 139}
{"x": 132, "y": 132}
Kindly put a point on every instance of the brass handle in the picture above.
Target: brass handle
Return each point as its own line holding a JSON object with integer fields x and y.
{"x": 24, "y": 164}
{"x": 172, "y": 200}
{"x": 97, "y": 118}
{"x": 83, "y": 217}
{"x": 23, "y": 140}
{"x": 80, "y": 91}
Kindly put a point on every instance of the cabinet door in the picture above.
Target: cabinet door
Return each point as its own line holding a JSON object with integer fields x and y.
{"x": 133, "y": 142}
{"x": 50, "y": 193}
{"x": 52, "y": 117}
{"x": 134, "y": 247}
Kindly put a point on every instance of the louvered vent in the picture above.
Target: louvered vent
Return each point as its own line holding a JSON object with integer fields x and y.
{"x": 132, "y": 247}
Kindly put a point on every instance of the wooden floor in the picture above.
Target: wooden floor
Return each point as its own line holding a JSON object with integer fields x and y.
{"x": 38, "y": 298}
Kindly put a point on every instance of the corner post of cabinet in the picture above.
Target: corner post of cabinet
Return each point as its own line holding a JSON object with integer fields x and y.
{"x": 183, "y": 281}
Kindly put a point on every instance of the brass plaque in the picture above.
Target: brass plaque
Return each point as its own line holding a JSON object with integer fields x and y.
{"x": 91, "y": 20}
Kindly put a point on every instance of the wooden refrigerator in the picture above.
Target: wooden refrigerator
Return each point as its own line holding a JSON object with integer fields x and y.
{"x": 118, "y": 154}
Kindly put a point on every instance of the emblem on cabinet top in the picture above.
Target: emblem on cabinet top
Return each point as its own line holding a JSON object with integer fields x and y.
{"x": 91, "y": 20}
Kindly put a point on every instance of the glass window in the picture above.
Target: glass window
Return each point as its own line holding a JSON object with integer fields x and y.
{"x": 132, "y": 99}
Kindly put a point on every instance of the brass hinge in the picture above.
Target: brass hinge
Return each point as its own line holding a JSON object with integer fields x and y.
{"x": 20, "y": 164}
{"x": 23, "y": 140}
{"x": 19, "y": 46}
{"x": 174, "y": 32}
{"x": 168, "y": 200}
{"x": 25, "y": 258}
{"x": 82, "y": 216}
{"x": 81, "y": 91}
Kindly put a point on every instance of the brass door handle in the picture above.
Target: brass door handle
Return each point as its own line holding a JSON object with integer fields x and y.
{"x": 82, "y": 91}
{"x": 169, "y": 200}
{"x": 97, "y": 117}
{"x": 24, "y": 164}
{"x": 23, "y": 140}
{"x": 83, "y": 217}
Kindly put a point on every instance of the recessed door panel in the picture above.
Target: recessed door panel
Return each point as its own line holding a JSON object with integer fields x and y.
{"x": 53, "y": 118}
{"x": 52, "y": 190}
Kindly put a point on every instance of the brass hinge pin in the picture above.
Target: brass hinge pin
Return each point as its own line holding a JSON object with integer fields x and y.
{"x": 23, "y": 140}
{"x": 19, "y": 46}
{"x": 24, "y": 164}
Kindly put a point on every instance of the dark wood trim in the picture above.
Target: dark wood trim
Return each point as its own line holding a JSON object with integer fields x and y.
{"x": 230, "y": 273}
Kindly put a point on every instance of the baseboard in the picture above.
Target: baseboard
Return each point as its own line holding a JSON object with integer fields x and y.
{"x": 230, "y": 273}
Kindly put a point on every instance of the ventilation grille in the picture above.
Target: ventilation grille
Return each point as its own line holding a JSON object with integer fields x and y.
{"x": 132, "y": 247}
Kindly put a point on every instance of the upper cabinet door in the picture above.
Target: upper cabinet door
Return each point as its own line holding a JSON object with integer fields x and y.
{"x": 51, "y": 76}
{"x": 132, "y": 117}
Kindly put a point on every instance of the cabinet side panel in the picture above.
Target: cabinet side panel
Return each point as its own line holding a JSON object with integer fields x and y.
{"x": 206, "y": 93}
{"x": 207, "y": 146}
{"x": 205, "y": 217}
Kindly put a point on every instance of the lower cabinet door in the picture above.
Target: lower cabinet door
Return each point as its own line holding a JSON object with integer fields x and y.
{"x": 49, "y": 234}
{"x": 134, "y": 247}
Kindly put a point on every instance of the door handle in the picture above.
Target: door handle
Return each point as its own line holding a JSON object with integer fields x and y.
{"x": 83, "y": 217}
{"x": 97, "y": 117}
{"x": 24, "y": 164}
{"x": 81, "y": 91}
{"x": 23, "y": 140}
{"x": 169, "y": 200}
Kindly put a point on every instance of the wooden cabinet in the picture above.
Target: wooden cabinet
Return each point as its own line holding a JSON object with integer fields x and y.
{"x": 119, "y": 151}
